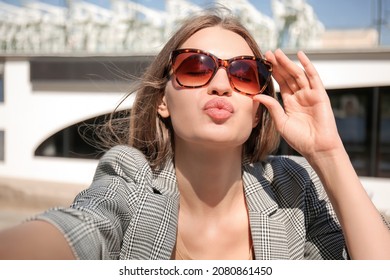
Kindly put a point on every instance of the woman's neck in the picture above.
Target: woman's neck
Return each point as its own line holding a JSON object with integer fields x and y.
{"x": 213, "y": 209}
{"x": 209, "y": 180}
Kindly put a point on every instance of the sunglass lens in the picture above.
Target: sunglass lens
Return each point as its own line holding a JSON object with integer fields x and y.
{"x": 245, "y": 76}
{"x": 193, "y": 70}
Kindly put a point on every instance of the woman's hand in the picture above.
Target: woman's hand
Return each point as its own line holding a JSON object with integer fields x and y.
{"x": 307, "y": 122}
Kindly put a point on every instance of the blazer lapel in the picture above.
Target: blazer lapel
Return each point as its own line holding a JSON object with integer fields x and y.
{"x": 269, "y": 235}
{"x": 152, "y": 234}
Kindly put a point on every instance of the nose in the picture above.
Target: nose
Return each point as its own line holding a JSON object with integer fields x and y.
{"x": 220, "y": 84}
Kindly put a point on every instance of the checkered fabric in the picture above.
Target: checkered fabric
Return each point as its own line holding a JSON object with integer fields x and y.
{"x": 131, "y": 212}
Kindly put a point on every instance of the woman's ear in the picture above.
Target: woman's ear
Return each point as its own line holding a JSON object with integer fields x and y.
{"x": 162, "y": 108}
{"x": 256, "y": 120}
{"x": 257, "y": 117}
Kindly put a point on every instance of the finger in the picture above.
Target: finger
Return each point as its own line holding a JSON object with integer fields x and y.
{"x": 277, "y": 74}
{"x": 275, "y": 109}
{"x": 311, "y": 72}
{"x": 292, "y": 73}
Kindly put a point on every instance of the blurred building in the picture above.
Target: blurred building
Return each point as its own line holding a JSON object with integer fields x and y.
{"x": 129, "y": 27}
{"x": 349, "y": 39}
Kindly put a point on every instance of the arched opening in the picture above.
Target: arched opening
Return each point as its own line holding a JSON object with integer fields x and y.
{"x": 76, "y": 141}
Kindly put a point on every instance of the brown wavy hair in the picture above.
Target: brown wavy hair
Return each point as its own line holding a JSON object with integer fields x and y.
{"x": 145, "y": 130}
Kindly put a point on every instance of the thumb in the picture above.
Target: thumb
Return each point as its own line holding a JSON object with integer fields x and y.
{"x": 275, "y": 109}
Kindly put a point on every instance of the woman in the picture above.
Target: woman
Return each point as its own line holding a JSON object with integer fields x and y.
{"x": 195, "y": 179}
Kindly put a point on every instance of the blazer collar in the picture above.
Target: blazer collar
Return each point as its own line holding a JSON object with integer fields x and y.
{"x": 269, "y": 234}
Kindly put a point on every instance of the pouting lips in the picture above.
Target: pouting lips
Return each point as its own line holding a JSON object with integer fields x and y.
{"x": 219, "y": 109}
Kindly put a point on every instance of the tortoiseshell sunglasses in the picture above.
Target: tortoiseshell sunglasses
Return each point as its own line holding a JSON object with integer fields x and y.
{"x": 194, "y": 68}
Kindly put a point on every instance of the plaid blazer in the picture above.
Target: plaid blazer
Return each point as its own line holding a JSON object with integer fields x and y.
{"x": 131, "y": 212}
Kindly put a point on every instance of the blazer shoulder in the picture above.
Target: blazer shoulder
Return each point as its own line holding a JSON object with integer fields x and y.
{"x": 126, "y": 162}
{"x": 282, "y": 167}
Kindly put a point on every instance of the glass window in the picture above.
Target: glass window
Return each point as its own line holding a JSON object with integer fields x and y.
{"x": 384, "y": 134}
{"x": 352, "y": 109}
{"x": 363, "y": 120}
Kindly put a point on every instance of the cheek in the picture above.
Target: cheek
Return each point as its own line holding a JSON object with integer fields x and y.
{"x": 181, "y": 105}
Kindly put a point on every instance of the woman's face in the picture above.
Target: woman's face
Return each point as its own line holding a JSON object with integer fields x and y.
{"x": 214, "y": 115}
